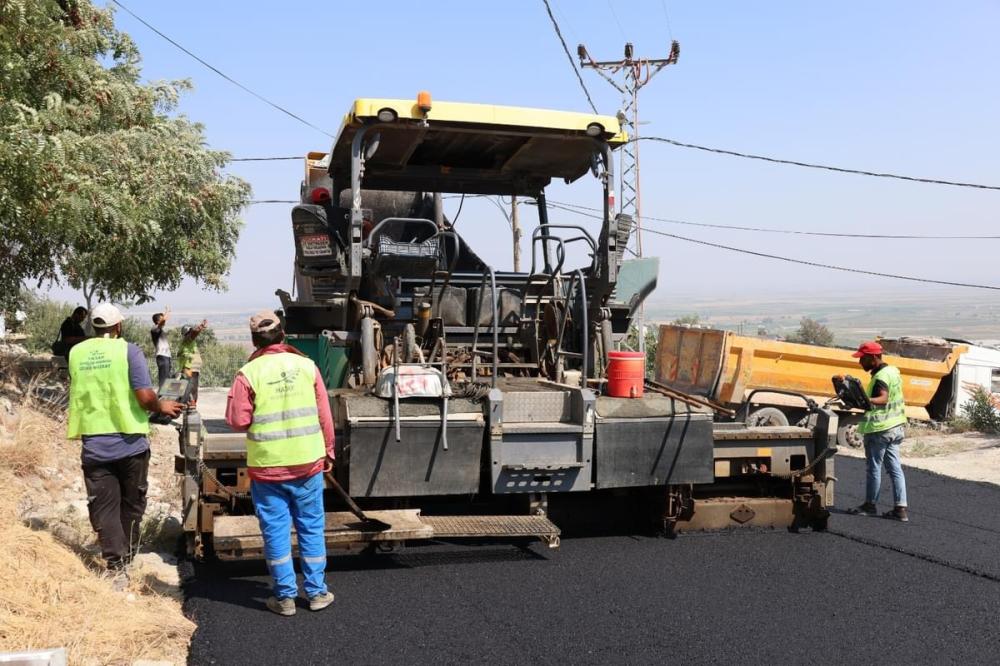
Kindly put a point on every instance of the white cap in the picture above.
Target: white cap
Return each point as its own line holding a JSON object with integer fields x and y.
{"x": 105, "y": 315}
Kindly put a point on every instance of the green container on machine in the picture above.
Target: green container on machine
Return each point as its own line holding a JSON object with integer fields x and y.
{"x": 332, "y": 361}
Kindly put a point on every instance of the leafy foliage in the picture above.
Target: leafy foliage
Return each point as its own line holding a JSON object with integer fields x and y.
{"x": 221, "y": 360}
{"x": 812, "y": 332}
{"x": 652, "y": 340}
{"x": 981, "y": 411}
{"x": 100, "y": 184}
{"x": 687, "y": 320}
{"x": 43, "y": 318}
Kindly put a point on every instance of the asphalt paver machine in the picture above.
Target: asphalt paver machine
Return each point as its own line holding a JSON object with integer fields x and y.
{"x": 465, "y": 397}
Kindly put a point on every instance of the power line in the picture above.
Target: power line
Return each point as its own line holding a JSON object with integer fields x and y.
{"x": 829, "y": 234}
{"x": 615, "y": 14}
{"x": 221, "y": 73}
{"x": 776, "y": 160}
{"x": 572, "y": 64}
{"x": 274, "y": 201}
{"x": 827, "y": 266}
{"x": 264, "y": 159}
{"x": 814, "y": 264}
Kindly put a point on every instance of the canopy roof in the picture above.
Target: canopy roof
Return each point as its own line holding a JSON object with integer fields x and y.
{"x": 470, "y": 148}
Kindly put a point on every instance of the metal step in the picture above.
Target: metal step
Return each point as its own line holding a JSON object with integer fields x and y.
{"x": 238, "y": 537}
{"x": 493, "y": 526}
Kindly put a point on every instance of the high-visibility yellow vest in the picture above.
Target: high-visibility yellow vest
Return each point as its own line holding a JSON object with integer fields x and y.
{"x": 101, "y": 400}
{"x": 891, "y": 414}
{"x": 285, "y": 430}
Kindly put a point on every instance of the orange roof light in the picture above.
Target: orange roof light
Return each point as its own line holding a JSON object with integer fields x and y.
{"x": 424, "y": 101}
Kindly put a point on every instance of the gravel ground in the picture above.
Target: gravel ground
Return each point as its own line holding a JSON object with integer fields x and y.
{"x": 870, "y": 589}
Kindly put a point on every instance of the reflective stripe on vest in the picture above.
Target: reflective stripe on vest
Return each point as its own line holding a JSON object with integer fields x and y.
{"x": 891, "y": 414}
{"x": 101, "y": 400}
{"x": 285, "y": 429}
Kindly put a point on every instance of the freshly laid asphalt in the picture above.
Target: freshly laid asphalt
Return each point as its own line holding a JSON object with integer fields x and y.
{"x": 867, "y": 591}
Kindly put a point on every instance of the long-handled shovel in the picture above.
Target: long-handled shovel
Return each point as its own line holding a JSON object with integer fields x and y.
{"x": 372, "y": 524}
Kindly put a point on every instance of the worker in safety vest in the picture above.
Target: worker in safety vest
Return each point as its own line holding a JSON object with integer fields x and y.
{"x": 278, "y": 398}
{"x": 110, "y": 393}
{"x": 882, "y": 427}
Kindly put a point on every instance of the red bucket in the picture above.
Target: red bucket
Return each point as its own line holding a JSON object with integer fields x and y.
{"x": 626, "y": 373}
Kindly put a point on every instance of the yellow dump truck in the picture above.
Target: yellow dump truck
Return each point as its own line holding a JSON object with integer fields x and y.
{"x": 732, "y": 369}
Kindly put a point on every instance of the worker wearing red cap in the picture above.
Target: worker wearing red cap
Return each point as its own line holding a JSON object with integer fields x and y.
{"x": 882, "y": 427}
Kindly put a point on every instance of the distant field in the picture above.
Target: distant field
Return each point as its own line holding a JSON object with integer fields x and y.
{"x": 972, "y": 315}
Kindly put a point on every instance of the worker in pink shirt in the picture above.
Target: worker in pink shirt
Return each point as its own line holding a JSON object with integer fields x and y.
{"x": 278, "y": 398}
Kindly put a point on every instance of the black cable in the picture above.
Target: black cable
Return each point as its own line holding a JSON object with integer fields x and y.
{"x": 568, "y": 207}
{"x": 809, "y": 263}
{"x": 460, "y": 204}
{"x": 776, "y": 160}
{"x": 221, "y": 73}
{"x": 572, "y": 64}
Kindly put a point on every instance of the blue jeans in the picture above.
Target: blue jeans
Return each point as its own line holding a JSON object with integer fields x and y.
{"x": 879, "y": 447}
{"x": 278, "y": 505}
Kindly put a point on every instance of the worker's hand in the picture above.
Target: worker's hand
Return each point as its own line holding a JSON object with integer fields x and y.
{"x": 328, "y": 465}
{"x": 204, "y": 323}
{"x": 171, "y": 408}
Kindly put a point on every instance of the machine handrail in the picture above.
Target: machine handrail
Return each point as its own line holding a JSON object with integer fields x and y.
{"x": 371, "y": 234}
{"x": 493, "y": 318}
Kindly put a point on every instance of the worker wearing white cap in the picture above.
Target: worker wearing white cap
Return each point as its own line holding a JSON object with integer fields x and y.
{"x": 279, "y": 399}
{"x": 110, "y": 393}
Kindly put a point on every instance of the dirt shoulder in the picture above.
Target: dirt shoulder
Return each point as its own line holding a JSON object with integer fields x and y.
{"x": 54, "y": 590}
{"x": 972, "y": 456}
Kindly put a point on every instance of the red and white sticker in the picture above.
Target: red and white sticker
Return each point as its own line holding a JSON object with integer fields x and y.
{"x": 316, "y": 245}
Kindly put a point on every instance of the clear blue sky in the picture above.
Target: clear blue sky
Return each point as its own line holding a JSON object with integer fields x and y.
{"x": 909, "y": 87}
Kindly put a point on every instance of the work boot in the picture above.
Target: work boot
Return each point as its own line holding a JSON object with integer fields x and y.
{"x": 320, "y": 601}
{"x": 866, "y": 509}
{"x": 898, "y": 513}
{"x": 284, "y": 607}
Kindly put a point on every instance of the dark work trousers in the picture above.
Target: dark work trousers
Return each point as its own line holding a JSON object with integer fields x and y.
{"x": 116, "y": 497}
{"x": 163, "y": 369}
{"x": 194, "y": 386}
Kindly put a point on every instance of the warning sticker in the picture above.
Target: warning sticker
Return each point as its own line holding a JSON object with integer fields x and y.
{"x": 316, "y": 245}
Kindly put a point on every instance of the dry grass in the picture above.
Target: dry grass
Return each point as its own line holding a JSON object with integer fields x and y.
{"x": 49, "y": 596}
{"x": 32, "y": 444}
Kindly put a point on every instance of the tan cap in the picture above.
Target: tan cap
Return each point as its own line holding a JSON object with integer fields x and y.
{"x": 265, "y": 320}
{"x": 105, "y": 315}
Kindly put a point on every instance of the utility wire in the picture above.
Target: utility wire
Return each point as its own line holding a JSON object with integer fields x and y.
{"x": 275, "y": 201}
{"x": 572, "y": 64}
{"x": 814, "y": 264}
{"x": 220, "y": 72}
{"x": 571, "y": 209}
{"x": 776, "y": 160}
{"x": 264, "y": 159}
{"x": 820, "y": 265}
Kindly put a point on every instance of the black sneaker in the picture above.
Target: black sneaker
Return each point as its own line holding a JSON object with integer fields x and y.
{"x": 898, "y": 513}
{"x": 866, "y": 509}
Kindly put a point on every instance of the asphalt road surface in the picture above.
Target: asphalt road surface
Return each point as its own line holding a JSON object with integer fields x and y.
{"x": 867, "y": 591}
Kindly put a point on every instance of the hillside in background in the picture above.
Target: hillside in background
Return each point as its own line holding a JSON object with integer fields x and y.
{"x": 970, "y": 315}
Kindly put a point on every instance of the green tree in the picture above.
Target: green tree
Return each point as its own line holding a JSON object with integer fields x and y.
{"x": 652, "y": 340}
{"x": 102, "y": 185}
{"x": 812, "y": 332}
{"x": 686, "y": 320}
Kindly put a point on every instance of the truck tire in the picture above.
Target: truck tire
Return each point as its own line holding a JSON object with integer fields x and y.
{"x": 767, "y": 416}
{"x": 848, "y": 435}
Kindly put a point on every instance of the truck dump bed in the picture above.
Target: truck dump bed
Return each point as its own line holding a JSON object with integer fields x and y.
{"x": 727, "y": 367}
